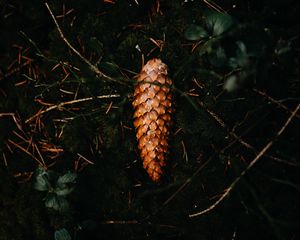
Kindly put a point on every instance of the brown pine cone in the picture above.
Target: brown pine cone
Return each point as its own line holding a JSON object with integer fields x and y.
{"x": 152, "y": 116}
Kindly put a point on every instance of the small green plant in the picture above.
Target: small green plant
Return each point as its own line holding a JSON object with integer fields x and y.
{"x": 241, "y": 68}
{"x": 220, "y": 49}
{"x": 57, "y": 188}
{"x": 62, "y": 234}
{"x": 215, "y": 24}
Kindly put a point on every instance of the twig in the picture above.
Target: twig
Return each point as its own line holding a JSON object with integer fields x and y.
{"x": 4, "y": 159}
{"x": 274, "y": 101}
{"x": 92, "y": 66}
{"x": 251, "y": 164}
{"x": 14, "y": 117}
{"x": 60, "y": 105}
{"x": 120, "y": 222}
{"x": 6, "y": 114}
{"x": 291, "y": 163}
{"x": 214, "y": 6}
{"x": 238, "y": 138}
{"x": 85, "y": 159}
{"x": 28, "y": 153}
{"x": 129, "y": 222}
{"x": 39, "y": 153}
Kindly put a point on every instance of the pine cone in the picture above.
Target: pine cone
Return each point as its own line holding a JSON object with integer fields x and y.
{"x": 152, "y": 116}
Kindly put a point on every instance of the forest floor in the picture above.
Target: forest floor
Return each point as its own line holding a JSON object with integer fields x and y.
{"x": 69, "y": 161}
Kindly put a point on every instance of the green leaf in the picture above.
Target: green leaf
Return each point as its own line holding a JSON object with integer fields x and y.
{"x": 40, "y": 171}
{"x": 42, "y": 182}
{"x": 242, "y": 56}
{"x": 63, "y": 191}
{"x": 241, "y": 50}
{"x": 62, "y": 234}
{"x": 218, "y": 23}
{"x": 58, "y": 203}
{"x": 63, "y": 204}
{"x": 96, "y": 45}
{"x": 217, "y": 57}
{"x": 51, "y": 201}
{"x": 109, "y": 68}
{"x": 207, "y": 47}
{"x": 195, "y": 32}
{"x": 69, "y": 177}
{"x": 231, "y": 83}
{"x": 233, "y": 63}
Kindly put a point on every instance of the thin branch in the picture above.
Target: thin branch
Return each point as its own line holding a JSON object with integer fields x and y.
{"x": 214, "y": 6}
{"x": 238, "y": 138}
{"x": 4, "y": 159}
{"x": 251, "y": 164}
{"x": 14, "y": 117}
{"x": 60, "y": 105}
{"x": 274, "y": 101}
{"x": 85, "y": 159}
{"x": 130, "y": 222}
{"x": 108, "y": 222}
{"x": 92, "y": 66}
{"x": 28, "y": 153}
{"x": 6, "y": 114}
{"x": 39, "y": 153}
{"x": 291, "y": 163}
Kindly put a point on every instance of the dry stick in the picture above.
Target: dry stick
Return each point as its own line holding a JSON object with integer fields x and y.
{"x": 13, "y": 115}
{"x": 214, "y": 6}
{"x": 240, "y": 140}
{"x": 85, "y": 159}
{"x": 28, "y": 153}
{"x": 39, "y": 153}
{"x": 124, "y": 222}
{"x": 120, "y": 222}
{"x": 93, "y": 67}
{"x": 60, "y": 105}
{"x": 274, "y": 101}
{"x": 6, "y": 114}
{"x": 251, "y": 164}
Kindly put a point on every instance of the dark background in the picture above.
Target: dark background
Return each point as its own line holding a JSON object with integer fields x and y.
{"x": 216, "y": 133}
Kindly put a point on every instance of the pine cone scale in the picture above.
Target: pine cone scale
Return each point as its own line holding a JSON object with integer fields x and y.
{"x": 152, "y": 116}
